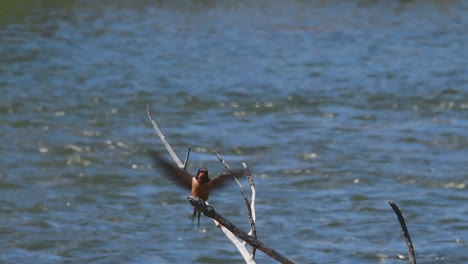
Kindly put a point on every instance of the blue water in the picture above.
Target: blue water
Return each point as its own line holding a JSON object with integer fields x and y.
{"x": 335, "y": 106}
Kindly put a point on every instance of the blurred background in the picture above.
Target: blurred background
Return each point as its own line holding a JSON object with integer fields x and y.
{"x": 336, "y": 106}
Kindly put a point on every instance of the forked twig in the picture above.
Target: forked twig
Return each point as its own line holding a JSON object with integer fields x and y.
{"x": 240, "y": 246}
{"x": 246, "y": 200}
{"x": 406, "y": 235}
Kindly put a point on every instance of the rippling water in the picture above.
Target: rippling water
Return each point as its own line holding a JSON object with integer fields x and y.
{"x": 337, "y": 106}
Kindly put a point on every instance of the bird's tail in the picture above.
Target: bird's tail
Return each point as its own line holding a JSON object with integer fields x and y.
{"x": 195, "y": 211}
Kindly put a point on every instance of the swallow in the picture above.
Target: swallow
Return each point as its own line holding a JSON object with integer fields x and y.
{"x": 199, "y": 185}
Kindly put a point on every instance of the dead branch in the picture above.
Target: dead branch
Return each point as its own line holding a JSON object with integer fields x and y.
{"x": 406, "y": 235}
{"x": 249, "y": 259}
{"x": 209, "y": 211}
{"x": 252, "y": 215}
{"x": 246, "y": 200}
{"x": 240, "y": 246}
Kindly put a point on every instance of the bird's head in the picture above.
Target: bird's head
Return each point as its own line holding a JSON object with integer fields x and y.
{"x": 202, "y": 175}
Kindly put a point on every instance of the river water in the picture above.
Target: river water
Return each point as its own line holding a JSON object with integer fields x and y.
{"x": 336, "y": 106}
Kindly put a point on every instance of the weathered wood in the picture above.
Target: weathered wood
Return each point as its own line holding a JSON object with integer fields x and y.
{"x": 406, "y": 235}
{"x": 209, "y": 211}
{"x": 252, "y": 215}
{"x": 241, "y": 247}
{"x": 244, "y": 195}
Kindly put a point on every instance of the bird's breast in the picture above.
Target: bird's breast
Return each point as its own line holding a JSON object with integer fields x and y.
{"x": 201, "y": 190}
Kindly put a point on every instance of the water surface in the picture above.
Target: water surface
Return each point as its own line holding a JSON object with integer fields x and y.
{"x": 336, "y": 106}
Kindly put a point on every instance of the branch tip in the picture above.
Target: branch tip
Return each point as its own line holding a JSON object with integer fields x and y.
{"x": 406, "y": 235}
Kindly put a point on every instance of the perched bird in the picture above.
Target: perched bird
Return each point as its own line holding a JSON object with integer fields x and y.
{"x": 200, "y": 185}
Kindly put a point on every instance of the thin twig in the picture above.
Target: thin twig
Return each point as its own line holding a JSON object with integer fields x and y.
{"x": 246, "y": 200}
{"x": 406, "y": 235}
{"x": 164, "y": 141}
{"x": 234, "y": 177}
{"x": 253, "y": 219}
{"x": 209, "y": 211}
{"x": 187, "y": 157}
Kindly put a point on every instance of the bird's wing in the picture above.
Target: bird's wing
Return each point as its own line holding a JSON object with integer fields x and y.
{"x": 224, "y": 179}
{"x": 172, "y": 172}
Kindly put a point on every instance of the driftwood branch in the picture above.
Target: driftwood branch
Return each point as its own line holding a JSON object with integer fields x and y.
{"x": 209, "y": 211}
{"x": 240, "y": 246}
{"x": 406, "y": 235}
{"x": 246, "y": 200}
{"x": 248, "y": 205}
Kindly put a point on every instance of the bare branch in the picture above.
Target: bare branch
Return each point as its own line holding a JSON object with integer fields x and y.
{"x": 249, "y": 259}
{"x": 209, "y": 211}
{"x": 246, "y": 200}
{"x": 252, "y": 215}
{"x": 239, "y": 245}
{"x": 406, "y": 235}
{"x": 164, "y": 141}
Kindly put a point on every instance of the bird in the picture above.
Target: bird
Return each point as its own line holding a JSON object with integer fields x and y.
{"x": 199, "y": 185}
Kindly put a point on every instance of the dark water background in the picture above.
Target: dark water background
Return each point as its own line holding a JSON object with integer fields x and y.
{"x": 337, "y": 106}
